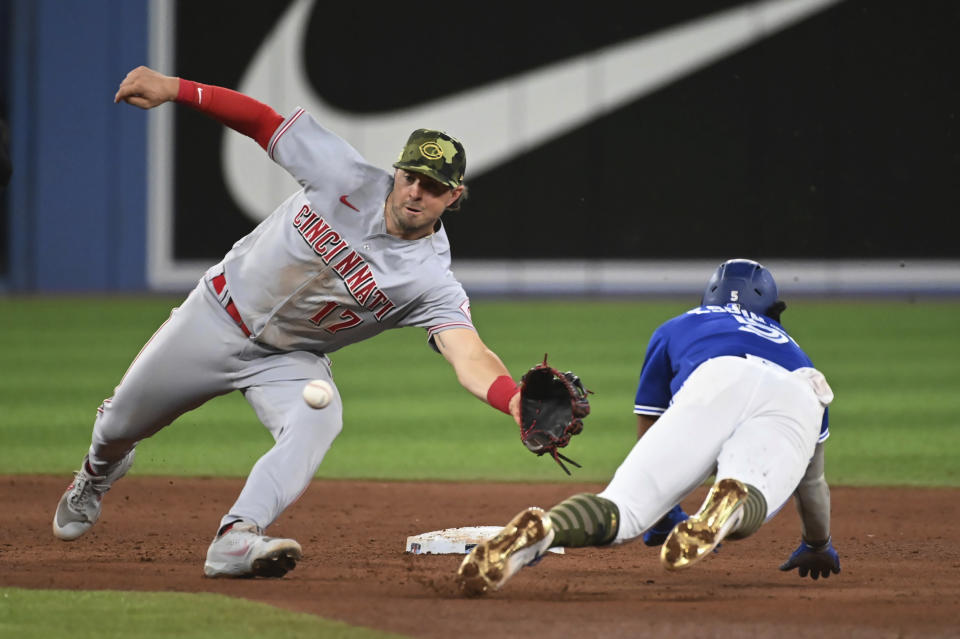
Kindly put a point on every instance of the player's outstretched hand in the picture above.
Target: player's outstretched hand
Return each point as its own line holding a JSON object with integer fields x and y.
{"x": 656, "y": 535}
{"x": 145, "y": 88}
{"x": 818, "y": 561}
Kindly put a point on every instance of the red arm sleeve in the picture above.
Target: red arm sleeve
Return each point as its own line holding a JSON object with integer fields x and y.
{"x": 236, "y": 110}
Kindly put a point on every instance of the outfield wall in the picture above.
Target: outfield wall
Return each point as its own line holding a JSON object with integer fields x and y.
{"x": 76, "y": 213}
{"x": 622, "y": 156}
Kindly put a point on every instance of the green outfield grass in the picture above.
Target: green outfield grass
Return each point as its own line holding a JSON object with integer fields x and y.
{"x": 894, "y": 365}
{"x": 42, "y": 614}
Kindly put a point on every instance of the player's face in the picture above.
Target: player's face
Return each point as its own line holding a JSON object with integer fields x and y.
{"x": 416, "y": 203}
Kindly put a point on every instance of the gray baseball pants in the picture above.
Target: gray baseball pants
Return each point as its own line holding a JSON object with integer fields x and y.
{"x": 200, "y": 353}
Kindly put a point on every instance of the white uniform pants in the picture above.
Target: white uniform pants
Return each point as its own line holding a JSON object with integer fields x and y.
{"x": 200, "y": 353}
{"x": 742, "y": 418}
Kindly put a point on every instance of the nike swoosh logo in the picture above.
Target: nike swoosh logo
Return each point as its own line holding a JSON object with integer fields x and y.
{"x": 503, "y": 119}
{"x": 343, "y": 198}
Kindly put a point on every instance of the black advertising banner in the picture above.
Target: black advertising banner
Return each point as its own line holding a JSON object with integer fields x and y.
{"x": 831, "y": 134}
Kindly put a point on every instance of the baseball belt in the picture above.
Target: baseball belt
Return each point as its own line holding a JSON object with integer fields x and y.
{"x": 223, "y": 295}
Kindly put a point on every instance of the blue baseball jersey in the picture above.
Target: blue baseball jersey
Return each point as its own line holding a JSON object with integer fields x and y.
{"x": 681, "y": 344}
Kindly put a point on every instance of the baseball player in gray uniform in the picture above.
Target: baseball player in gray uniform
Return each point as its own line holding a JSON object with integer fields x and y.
{"x": 355, "y": 252}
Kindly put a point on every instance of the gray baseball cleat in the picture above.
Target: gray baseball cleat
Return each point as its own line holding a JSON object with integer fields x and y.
{"x": 79, "y": 507}
{"x": 492, "y": 562}
{"x": 693, "y": 539}
{"x": 242, "y": 551}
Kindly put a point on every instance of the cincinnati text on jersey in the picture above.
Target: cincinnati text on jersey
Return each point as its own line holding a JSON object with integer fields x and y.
{"x": 329, "y": 245}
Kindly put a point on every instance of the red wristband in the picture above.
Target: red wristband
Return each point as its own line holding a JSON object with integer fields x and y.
{"x": 500, "y": 393}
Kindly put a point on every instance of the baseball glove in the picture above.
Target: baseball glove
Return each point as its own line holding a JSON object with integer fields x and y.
{"x": 552, "y": 408}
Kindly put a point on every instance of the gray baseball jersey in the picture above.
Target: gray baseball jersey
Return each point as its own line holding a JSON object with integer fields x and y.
{"x": 321, "y": 271}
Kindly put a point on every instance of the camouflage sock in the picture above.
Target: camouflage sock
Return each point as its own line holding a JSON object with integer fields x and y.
{"x": 584, "y": 520}
{"x": 754, "y": 514}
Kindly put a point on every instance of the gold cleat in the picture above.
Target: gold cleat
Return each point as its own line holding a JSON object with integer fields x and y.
{"x": 492, "y": 562}
{"x": 693, "y": 539}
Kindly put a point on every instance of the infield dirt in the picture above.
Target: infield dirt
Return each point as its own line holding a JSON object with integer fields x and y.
{"x": 900, "y": 555}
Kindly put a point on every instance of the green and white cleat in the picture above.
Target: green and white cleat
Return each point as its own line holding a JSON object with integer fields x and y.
{"x": 493, "y": 562}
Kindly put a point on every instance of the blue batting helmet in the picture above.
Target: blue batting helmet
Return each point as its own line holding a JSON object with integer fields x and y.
{"x": 742, "y": 282}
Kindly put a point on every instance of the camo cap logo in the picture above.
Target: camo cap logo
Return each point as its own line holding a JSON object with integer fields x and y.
{"x": 434, "y": 154}
{"x": 431, "y": 150}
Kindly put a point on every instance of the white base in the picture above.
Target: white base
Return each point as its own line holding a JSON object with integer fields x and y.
{"x": 454, "y": 541}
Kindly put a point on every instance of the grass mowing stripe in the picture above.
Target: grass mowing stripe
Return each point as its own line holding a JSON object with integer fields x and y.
{"x": 893, "y": 365}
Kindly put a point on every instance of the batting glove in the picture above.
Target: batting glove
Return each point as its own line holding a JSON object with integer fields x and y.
{"x": 656, "y": 535}
{"x": 818, "y": 561}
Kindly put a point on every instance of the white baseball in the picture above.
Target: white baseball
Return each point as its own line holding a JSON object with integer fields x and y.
{"x": 317, "y": 393}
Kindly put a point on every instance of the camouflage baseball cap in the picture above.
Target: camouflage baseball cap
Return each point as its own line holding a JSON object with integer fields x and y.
{"x": 436, "y": 155}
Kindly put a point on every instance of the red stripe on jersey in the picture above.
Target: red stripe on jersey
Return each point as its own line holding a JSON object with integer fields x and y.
{"x": 273, "y": 145}
{"x": 439, "y": 327}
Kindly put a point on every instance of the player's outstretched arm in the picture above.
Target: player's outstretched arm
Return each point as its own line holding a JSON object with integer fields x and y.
{"x": 480, "y": 370}
{"x": 815, "y": 555}
{"x": 812, "y": 498}
{"x": 145, "y": 88}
